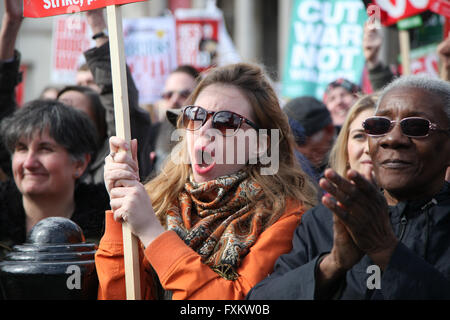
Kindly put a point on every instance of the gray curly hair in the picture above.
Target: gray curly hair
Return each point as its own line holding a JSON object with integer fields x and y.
{"x": 433, "y": 85}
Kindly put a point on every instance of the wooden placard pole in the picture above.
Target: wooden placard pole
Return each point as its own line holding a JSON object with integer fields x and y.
{"x": 443, "y": 73}
{"x": 405, "y": 51}
{"x": 122, "y": 120}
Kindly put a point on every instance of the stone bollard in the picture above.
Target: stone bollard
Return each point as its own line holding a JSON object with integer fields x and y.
{"x": 54, "y": 263}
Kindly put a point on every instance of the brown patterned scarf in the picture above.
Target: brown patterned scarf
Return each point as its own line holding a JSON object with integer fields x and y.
{"x": 216, "y": 220}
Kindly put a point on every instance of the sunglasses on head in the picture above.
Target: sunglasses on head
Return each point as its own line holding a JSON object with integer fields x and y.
{"x": 414, "y": 127}
{"x": 182, "y": 93}
{"x": 226, "y": 122}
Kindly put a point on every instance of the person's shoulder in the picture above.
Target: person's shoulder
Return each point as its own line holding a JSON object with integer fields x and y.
{"x": 9, "y": 192}
{"x": 91, "y": 203}
{"x": 318, "y": 214}
{"x": 94, "y": 195}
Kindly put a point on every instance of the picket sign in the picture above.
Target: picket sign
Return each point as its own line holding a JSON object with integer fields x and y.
{"x": 122, "y": 120}
{"x": 392, "y": 11}
{"x": 44, "y": 8}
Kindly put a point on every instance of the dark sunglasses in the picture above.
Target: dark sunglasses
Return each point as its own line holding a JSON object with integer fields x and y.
{"x": 195, "y": 117}
{"x": 414, "y": 127}
{"x": 183, "y": 93}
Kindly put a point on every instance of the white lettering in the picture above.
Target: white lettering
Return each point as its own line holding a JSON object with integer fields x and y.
{"x": 374, "y": 281}
{"x": 47, "y": 4}
{"x": 374, "y": 13}
{"x": 247, "y": 309}
{"x": 348, "y": 55}
{"x": 330, "y": 17}
{"x": 197, "y": 310}
{"x": 308, "y": 33}
{"x": 352, "y": 10}
{"x": 419, "y": 4}
{"x": 396, "y": 10}
{"x": 327, "y": 59}
{"x": 309, "y": 11}
{"x": 303, "y": 55}
{"x": 73, "y": 281}
{"x": 330, "y": 37}
{"x": 330, "y": 12}
{"x": 351, "y": 35}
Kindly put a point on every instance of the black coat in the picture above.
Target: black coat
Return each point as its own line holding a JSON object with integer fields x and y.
{"x": 91, "y": 201}
{"x": 419, "y": 267}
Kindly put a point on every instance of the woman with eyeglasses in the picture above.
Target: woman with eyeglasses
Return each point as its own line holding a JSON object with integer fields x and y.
{"x": 378, "y": 245}
{"x": 215, "y": 220}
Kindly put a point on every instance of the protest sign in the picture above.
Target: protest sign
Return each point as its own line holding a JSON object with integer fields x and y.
{"x": 151, "y": 54}
{"x": 150, "y": 51}
{"x": 425, "y": 61}
{"x": 202, "y": 38}
{"x": 46, "y": 8}
{"x": 197, "y": 41}
{"x": 441, "y": 7}
{"x": 392, "y": 11}
{"x": 325, "y": 43}
{"x": 69, "y": 40}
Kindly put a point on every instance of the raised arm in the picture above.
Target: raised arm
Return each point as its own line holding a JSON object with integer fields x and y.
{"x": 9, "y": 67}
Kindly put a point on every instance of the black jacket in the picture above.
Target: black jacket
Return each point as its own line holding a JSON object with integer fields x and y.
{"x": 10, "y": 77}
{"x": 98, "y": 60}
{"x": 419, "y": 267}
{"x": 91, "y": 202}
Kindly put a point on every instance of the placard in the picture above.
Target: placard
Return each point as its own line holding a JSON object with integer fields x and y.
{"x": 46, "y": 8}
{"x": 325, "y": 43}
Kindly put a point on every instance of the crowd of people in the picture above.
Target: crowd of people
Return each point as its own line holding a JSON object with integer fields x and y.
{"x": 362, "y": 181}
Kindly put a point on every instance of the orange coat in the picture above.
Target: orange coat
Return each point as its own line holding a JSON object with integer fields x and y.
{"x": 180, "y": 269}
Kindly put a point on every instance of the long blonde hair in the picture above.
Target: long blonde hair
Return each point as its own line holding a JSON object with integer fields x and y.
{"x": 290, "y": 182}
{"x": 338, "y": 159}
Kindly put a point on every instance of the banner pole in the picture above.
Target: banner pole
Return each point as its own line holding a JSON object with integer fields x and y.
{"x": 405, "y": 51}
{"x": 122, "y": 120}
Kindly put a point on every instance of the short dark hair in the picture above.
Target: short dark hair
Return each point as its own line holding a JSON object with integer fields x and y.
{"x": 190, "y": 70}
{"x": 69, "y": 127}
{"x": 96, "y": 106}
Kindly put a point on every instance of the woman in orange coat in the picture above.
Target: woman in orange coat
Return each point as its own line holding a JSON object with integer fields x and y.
{"x": 227, "y": 201}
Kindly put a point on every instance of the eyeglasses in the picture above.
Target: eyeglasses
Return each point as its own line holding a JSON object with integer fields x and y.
{"x": 195, "y": 117}
{"x": 182, "y": 93}
{"x": 413, "y": 127}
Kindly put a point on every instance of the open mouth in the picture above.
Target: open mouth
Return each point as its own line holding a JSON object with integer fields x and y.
{"x": 204, "y": 160}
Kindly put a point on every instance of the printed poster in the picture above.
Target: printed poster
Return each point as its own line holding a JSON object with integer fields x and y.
{"x": 197, "y": 41}
{"x": 151, "y": 54}
{"x": 71, "y": 37}
{"x": 202, "y": 38}
{"x": 325, "y": 43}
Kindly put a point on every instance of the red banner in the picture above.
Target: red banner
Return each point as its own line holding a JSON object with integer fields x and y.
{"x": 46, "y": 8}
{"x": 441, "y": 7}
{"x": 392, "y": 11}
